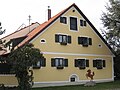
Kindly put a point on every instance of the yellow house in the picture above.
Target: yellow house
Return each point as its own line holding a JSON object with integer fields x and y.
{"x": 71, "y": 45}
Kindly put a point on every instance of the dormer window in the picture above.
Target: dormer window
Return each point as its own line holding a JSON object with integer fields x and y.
{"x": 62, "y": 39}
{"x": 85, "y": 41}
{"x": 73, "y": 24}
{"x": 63, "y": 20}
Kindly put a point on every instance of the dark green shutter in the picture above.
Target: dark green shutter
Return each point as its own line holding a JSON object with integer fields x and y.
{"x": 80, "y": 40}
{"x": 104, "y": 63}
{"x": 56, "y": 38}
{"x": 61, "y": 19}
{"x": 94, "y": 63}
{"x": 90, "y": 41}
{"x": 76, "y": 63}
{"x": 52, "y": 62}
{"x": 69, "y": 39}
{"x": 81, "y": 22}
{"x": 85, "y": 24}
{"x": 43, "y": 62}
{"x": 87, "y": 63}
{"x": 66, "y": 62}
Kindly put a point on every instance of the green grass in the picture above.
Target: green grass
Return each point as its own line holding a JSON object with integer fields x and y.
{"x": 100, "y": 86}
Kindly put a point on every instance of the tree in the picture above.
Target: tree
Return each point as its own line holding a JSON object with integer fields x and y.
{"x": 2, "y": 42}
{"x": 22, "y": 59}
{"x": 111, "y": 22}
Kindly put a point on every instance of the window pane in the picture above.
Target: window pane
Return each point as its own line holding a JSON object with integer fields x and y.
{"x": 73, "y": 23}
{"x": 60, "y": 38}
{"x": 56, "y": 62}
{"x": 65, "y": 39}
{"x": 85, "y": 41}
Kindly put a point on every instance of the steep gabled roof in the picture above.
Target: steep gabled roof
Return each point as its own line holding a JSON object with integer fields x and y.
{"x": 43, "y": 26}
{"x": 21, "y": 33}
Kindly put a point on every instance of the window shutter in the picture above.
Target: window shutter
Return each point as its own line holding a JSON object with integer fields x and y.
{"x": 104, "y": 63}
{"x": 81, "y": 22}
{"x": 80, "y": 40}
{"x": 61, "y": 19}
{"x": 52, "y": 62}
{"x": 76, "y": 63}
{"x": 90, "y": 41}
{"x": 69, "y": 39}
{"x": 66, "y": 62}
{"x": 56, "y": 38}
{"x": 43, "y": 62}
{"x": 85, "y": 23}
{"x": 94, "y": 63}
{"x": 87, "y": 63}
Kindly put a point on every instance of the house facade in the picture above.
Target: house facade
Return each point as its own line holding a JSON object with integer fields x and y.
{"x": 70, "y": 45}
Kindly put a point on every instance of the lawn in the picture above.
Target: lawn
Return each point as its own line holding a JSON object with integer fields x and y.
{"x": 100, "y": 86}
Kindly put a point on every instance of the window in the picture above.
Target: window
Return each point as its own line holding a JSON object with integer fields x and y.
{"x": 43, "y": 41}
{"x": 81, "y": 63}
{"x": 73, "y": 23}
{"x": 99, "y": 63}
{"x": 40, "y": 63}
{"x": 83, "y": 23}
{"x": 85, "y": 41}
{"x": 62, "y": 39}
{"x": 5, "y": 68}
{"x": 59, "y": 63}
{"x": 63, "y": 20}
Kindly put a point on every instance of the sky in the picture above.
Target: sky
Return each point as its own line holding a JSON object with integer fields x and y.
{"x": 14, "y": 13}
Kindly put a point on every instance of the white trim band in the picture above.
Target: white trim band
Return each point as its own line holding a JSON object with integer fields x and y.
{"x": 75, "y": 54}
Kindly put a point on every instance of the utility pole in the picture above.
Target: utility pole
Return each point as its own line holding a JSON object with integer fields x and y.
{"x": 29, "y": 19}
{"x": 1, "y": 31}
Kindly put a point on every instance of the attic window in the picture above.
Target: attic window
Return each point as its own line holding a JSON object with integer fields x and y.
{"x": 73, "y": 24}
{"x": 62, "y": 39}
{"x": 100, "y": 45}
{"x": 73, "y": 10}
{"x": 83, "y": 23}
{"x": 43, "y": 41}
{"x": 85, "y": 41}
{"x": 63, "y": 20}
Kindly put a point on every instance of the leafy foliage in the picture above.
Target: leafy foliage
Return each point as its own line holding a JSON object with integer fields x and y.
{"x": 111, "y": 21}
{"x": 22, "y": 59}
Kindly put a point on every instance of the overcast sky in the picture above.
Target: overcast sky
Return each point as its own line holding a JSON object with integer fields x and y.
{"x": 14, "y": 13}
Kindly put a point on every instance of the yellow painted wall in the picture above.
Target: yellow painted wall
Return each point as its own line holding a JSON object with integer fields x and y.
{"x": 69, "y": 51}
{"x": 49, "y": 73}
{"x": 57, "y": 27}
{"x": 8, "y": 80}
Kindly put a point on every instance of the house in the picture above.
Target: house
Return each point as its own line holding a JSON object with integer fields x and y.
{"x": 71, "y": 45}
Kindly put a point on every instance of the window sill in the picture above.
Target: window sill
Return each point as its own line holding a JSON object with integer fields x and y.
{"x": 81, "y": 67}
{"x": 99, "y": 67}
{"x": 36, "y": 67}
{"x": 60, "y": 67}
{"x": 63, "y": 43}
